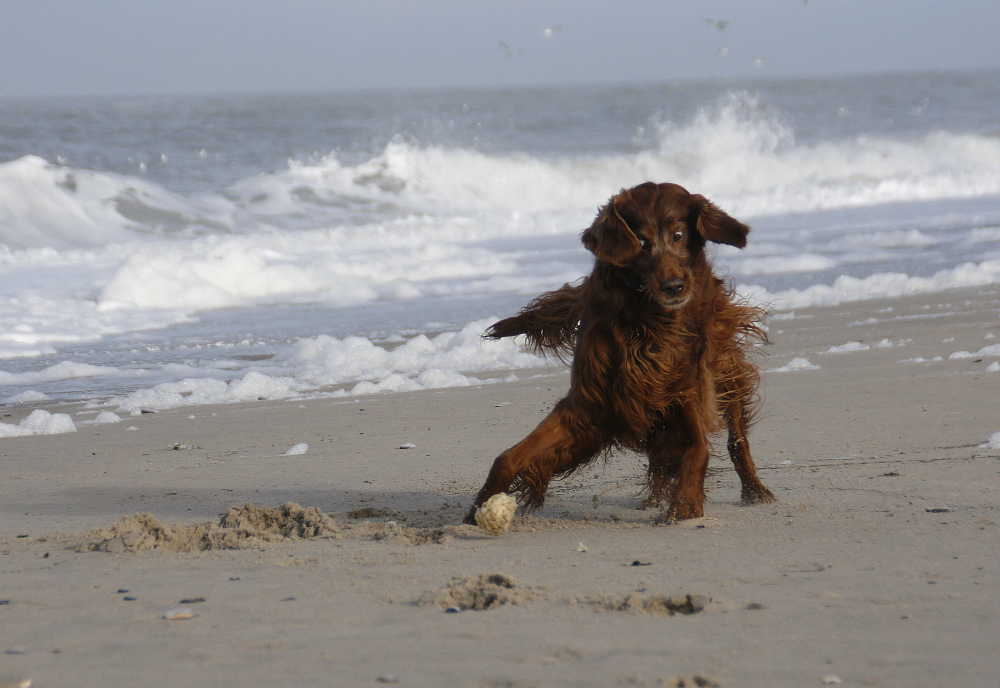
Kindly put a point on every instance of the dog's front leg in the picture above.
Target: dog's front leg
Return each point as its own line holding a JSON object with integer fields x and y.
{"x": 753, "y": 491}
{"x": 688, "y": 499}
{"x": 666, "y": 452}
{"x": 738, "y": 413}
{"x": 560, "y": 444}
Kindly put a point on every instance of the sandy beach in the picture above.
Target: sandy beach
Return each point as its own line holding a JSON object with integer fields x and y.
{"x": 876, "y": 568}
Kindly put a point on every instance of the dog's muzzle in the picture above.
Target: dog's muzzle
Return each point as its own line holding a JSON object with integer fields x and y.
{"x": 672, "y": 288}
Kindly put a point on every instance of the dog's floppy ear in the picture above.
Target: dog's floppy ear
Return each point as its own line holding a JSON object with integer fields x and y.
{"x": 610, "y": 238}
{"x": 715, "y": 225}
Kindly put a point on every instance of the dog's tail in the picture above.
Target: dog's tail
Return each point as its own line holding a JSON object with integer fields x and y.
{"x": 549, "y": 322}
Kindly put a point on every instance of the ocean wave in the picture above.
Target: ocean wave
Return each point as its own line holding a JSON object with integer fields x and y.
{"x": 737, "y": 152}
{"x": 405, "y": 259}
{"x": 43, "y": 205}
{"x": 747, "y": 159}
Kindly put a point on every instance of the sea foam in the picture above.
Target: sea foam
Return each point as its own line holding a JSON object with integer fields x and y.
{"x": 879, "y": 285}
{"x": 39, "y": 422}
{"x": 350, "y": 366}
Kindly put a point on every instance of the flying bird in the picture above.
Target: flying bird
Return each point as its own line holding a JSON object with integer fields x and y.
{"x": 719, "y": 24}
{"x": 508, "y": 51}
{"x": 550, "y": 31}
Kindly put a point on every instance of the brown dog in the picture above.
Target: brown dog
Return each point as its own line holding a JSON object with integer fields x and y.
{"x": 659, "y": 355}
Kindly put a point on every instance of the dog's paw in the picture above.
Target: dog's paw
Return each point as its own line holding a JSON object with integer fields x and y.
{"x": 650, "y": 503}
{"x": 760, "y": 495}
{"x": 682, "y": 510}
{"x": 470, "y": 518}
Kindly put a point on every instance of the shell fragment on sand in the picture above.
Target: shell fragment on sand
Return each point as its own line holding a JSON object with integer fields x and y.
{"x": 7, "y": 682}
{"x": 496, "y": 514}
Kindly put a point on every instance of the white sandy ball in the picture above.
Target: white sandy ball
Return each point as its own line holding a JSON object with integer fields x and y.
{"x": 496, "y": 514}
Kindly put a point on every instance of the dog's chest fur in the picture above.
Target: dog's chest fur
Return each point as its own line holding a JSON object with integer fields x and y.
{"x": 640, "y": 370}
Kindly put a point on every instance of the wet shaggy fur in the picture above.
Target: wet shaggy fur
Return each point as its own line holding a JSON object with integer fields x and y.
{"x": 659, "y": 355}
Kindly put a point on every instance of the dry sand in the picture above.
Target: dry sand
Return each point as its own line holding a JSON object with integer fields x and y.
{"x": 878, "y": 567}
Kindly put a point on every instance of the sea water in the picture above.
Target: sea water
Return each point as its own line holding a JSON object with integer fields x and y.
{"x": 165, "y": 251}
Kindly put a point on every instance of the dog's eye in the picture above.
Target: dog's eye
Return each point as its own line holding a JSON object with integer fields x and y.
{"x": 644, "y": 243}
{"x": 678, "y": 235}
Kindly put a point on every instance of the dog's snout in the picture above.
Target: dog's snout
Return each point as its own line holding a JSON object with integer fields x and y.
{"x": 672, "y": 287}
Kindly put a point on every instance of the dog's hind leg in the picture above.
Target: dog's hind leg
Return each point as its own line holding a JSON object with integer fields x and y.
{"x": 559, "y": 445}
{"x": 738, "y": 421}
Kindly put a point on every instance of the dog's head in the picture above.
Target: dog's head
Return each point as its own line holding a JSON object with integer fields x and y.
{"x": 655, "y": 234}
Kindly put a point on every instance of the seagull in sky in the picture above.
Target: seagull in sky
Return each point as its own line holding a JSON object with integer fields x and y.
{"x": 550, "y": 31}
{"x": 508, "y": 51}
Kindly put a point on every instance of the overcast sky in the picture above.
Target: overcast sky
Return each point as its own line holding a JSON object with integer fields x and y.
{"x": 178, "y": 46}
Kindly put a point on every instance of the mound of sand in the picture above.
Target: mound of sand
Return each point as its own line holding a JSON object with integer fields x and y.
{"x": 634, "y": 603}
{"x": 396, "y": 534}
{"x": 289, "y": 520}
{"x": 478, "y": 593}
{"x": 239, "y": 527}
{"x": 251, "y": 526}
{"x": 375, "y": 512}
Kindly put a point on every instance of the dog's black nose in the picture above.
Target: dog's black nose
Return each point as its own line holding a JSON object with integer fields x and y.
{"x": 672, "y": 287}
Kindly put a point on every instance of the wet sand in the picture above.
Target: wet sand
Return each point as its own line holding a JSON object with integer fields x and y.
{"x": 877, "y": 567}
